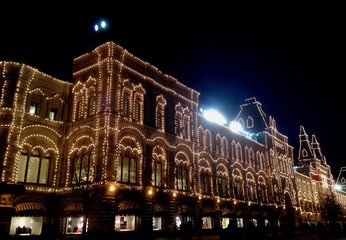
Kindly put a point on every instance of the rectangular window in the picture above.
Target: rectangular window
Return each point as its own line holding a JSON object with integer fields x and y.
{"x": 52, "y": 114}
{"x": 44, "y": 171}
{"x": 26, "y": 226}
{"x": 125, "y": 223}
{"x": 33, "y": 170}
{"x": 119, "y": 168}
{"x": 125, "y": 177}
{"x": 133, "y": 170}
{"x": 74, "y": 225}
{"x": 186, "y": 129}
{"x": 21, "y": 168}
{"x": 85, "y": 169}
{"x": 136, "y": 112}
{"x": 159, "y": 122}
{"x": 222, "y": 186}
{"x": 125, "y": 108}
{"x": 33, "y": 108}
{"x": 76, "y": 171}
{"x": 184, "y": 179}
{"x": 79, "y": 110}
{"x": 158, "y": 174}
{"x": 92, "y": 106}
{"x": 179, "y": 178}
{"x": 157, "y": 223}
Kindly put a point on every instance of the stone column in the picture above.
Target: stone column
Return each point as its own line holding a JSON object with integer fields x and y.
{"x": 147, "y": 221}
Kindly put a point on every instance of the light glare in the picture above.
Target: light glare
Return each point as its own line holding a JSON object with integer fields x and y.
{"x": 235, "y": 127}
{"x": 214, "y": 116}
{"x": 103, "y": 24}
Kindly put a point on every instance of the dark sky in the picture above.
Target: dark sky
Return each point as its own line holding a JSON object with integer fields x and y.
{"x": 289, "y": 56}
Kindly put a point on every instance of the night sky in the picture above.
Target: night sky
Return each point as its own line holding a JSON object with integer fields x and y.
{"x": 289, "y": 56}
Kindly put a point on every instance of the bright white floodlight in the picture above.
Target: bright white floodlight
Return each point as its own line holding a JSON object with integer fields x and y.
{"x": 214, "y": 116}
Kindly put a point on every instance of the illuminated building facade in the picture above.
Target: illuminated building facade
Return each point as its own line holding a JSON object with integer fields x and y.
{"x": 124, "y": 147}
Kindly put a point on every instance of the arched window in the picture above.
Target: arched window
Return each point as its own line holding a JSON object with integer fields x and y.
{"x": 233, "y": 152}
{"x": 181, "y": 178}
{"x": 33, "y": 168}
{"x": 186, "y": 130}
{"x": 205, "y": 182}
{"x": 251, "y": 190}
{"x": 208, "y": 140}
{"x": 249, "y": 122}
{"x": 159, "y": 123}
{"x": 237, "y": 188}
{"x": 138, "y": 103}
{"x": 246, "y": 157}
{"x": 158, "y": 167}
{"x": 239, "y": 154}
{"x": 201, "y": 136}
{"x": 160, "y": 112}
{"x": 218, "y": 143}
{"x": 157, "y": 174}
{"x": 178, "y": 124}
{"x": 224, "y": 147}
{"x": 92, "y": 106}
{"x": 262, "y": 191}
{"x": 81, "y": 171}
{"x": 80, "y": 111}
{"x": 222, "y": 185}
{"x": 125, "y": 107}
{"x": 136, "y": 111}
{"x": 127, "y": 169}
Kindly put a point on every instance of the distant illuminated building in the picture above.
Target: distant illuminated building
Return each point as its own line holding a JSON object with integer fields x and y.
{"x": 341, "y": 180}
{"x": 131, "y": 140}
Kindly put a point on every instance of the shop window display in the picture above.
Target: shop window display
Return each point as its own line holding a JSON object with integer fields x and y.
{"x": 74, "y": 225}
{"x": 206, "y": 223}
{"x": 157, "y": 223}
{"x": 26, "y": 226}
{"x": 125, "y": 223}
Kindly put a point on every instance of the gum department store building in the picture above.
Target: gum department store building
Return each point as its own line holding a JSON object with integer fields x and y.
{"x": 124, "y": 147}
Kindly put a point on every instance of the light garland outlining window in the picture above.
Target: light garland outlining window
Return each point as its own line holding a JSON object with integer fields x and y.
{"x": 29, "y": 139}
{"x": 208, "y": 143}
{"x": 178, "y": 122}
{"x": 222, "y": 180}
{"x": 183, "y": 174}
{"x": 78, "y": 148}
{"x": 251, "y": 193}
{"x": 130, "y": 161}
{"x": 187, "y": 124}
{"x": 159, "y": 166}
{"x": 33, "y": 167}
{"x": 160, "y": 113}
{"x": 205, "y": 180}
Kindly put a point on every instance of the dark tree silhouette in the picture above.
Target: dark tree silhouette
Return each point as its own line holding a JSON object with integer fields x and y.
{"x": 86, "y": 189}
{"x": 56, "y": 202}
{"x": 331, "y": 210}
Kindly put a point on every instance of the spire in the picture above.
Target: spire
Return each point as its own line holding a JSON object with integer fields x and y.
{"x": 317, "y": 150}
{"x": 305, "y": 150}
